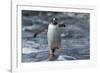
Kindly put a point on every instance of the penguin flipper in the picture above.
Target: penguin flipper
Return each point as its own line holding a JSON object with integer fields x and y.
{"x": 35, "y": 35}
{"x": 62, "y": 25}
{"x": 41, "y": 30}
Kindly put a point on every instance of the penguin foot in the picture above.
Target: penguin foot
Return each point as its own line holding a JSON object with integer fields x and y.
{"x": 35, "y": 35}
{"x": 52, "y": 57}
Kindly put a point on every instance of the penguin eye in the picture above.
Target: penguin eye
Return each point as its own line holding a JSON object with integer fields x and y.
{"x": 54, "y": 21}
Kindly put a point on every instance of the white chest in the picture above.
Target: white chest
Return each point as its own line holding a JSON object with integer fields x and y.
{"x": 53, "y": 35}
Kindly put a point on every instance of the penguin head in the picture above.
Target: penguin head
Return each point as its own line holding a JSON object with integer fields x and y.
{"x": 54, "y": 21}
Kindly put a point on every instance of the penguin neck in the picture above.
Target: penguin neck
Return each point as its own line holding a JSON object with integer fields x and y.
{"x": 54, "y": 24}
{"x": 52, "y": 27}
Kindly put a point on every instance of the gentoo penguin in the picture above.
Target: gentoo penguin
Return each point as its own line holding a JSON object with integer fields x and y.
{"x": 54, "y": 38}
